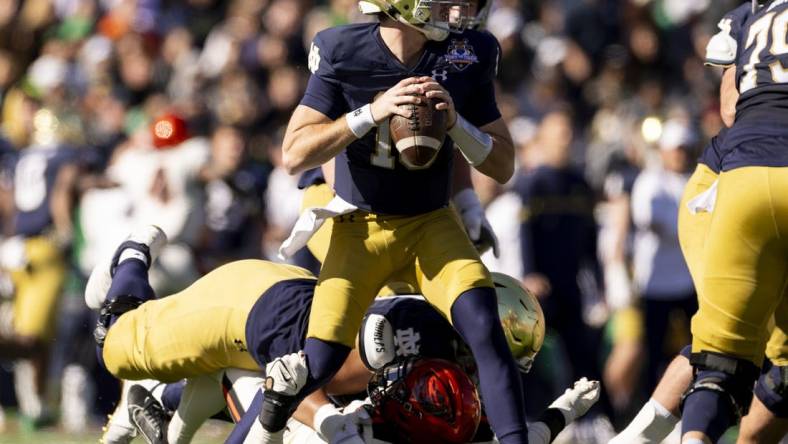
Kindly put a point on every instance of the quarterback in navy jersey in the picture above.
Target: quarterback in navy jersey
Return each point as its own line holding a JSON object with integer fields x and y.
{"x": 742, "y": 272}
{"x": 397, "y": 216}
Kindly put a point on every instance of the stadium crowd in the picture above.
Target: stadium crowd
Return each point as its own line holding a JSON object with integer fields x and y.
{"x": 173, "y": 111}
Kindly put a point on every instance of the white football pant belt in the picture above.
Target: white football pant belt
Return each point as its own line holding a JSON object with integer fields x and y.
{"x": 310, "y": 220}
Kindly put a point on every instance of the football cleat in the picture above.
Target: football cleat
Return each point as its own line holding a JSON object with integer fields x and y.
{"x": 119, "y": 429}
{"x": 144, "y": 244}
{"x": 148, "y": 415}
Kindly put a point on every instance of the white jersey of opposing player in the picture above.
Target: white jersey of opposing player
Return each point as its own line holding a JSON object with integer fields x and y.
{"x": 163, "y": 186}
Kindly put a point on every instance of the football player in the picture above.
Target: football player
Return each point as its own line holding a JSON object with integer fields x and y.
{"x": 738, "y": 291}
{"x": 657, "y": 418}
{"x": 395, "y": 216}
{"x": 243, "y": 314}
{"x": 45, "y": 175}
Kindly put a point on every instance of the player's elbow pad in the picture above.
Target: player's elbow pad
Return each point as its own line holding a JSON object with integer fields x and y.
{"x": 721, "y": 50}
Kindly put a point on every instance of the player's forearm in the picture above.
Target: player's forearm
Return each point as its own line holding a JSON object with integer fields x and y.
{"x": 305, "y": 413}
{"x": 313, "y": 139}
{"x": 315, "y": 145}
{"x": 489, "y": 149}
{"x": 500, "y": 163}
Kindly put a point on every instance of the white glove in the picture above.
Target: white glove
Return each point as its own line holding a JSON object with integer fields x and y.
{"x": 347, "y": 426}
{"x": 475, "y": 221}
{"x": 287, "y": 374}
{"x": 576, "y": 401}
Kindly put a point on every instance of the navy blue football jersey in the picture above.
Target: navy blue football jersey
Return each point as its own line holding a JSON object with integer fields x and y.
{"x": 311, "y": 177}
{"x": 759, "y": 135}
{"x": 351, "y": 65}
{"x": 712, "y": 154}
{"x": 34, "y": 178}
{"x": 417, "y": 328}
{"x": 277, "y": 323}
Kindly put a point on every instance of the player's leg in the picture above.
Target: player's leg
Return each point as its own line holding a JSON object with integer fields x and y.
{"x": 767, "y": 421}
{"x": 38, "y": 289}
{"x": 768, "y": 418}
{"x": 457, "y": 284}
{"x": 660, "y": 414}
{"x": 693, "y": 228}
{"x": 357, "y": 263}
{"x": 743, "y": 282}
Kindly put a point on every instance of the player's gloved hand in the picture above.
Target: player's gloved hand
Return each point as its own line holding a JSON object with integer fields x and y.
{"x": 391, "y": 102}
{"x": 287, "y": 374}
{"x": 576, "y": 401}
{"x": 476, "y": 224}
{"x": 346, "y": 426}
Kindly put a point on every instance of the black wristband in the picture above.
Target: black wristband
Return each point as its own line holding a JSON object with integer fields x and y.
{"x": 554, "y": 420}
{"x": 277, "y": 409}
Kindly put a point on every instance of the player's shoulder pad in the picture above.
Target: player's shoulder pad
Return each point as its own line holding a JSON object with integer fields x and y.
{"x": 722, "y": 47}
{"x": 376, "y": 341}
{"x": 337, "y": 44}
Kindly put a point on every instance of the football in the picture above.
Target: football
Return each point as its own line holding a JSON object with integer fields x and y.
{"x": 419, "y": 138}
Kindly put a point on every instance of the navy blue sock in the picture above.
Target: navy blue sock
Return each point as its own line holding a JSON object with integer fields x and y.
{"x": 323, "y": 360}
{"x": 243, "y": 426}
{"x": 475, "y": 317}
{"x": 707, "y": 411}
{"x": 171, "y": 396}
{"x": 131, "y": 279}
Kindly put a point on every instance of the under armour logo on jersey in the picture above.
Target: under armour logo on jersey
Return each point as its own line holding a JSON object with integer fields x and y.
{"x": 407, "y": 342}
{"x": 440, "y": 74}
{"x": 314, "y": 58}
{"x": 240, "y": 344}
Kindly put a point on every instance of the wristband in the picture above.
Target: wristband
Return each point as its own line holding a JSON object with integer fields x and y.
{"x": 474, "y": 144}
{"x": 361, "y": 121}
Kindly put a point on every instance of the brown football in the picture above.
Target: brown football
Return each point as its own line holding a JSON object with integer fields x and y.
{"x": 419, "y": 138}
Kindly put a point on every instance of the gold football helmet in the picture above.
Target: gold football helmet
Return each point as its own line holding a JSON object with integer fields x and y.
{"x": 435, "y": 18}
{"x": 522, "y": 319}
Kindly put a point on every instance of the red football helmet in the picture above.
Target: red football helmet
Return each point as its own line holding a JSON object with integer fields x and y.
{"x": 427, "y": 401}
{"x": 168, "y": 131}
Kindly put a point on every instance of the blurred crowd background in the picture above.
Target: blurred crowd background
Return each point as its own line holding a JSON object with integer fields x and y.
{"x": 174, "y": 110}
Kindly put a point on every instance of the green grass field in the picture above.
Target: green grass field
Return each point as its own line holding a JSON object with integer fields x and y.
{"x": 213, "y": 432}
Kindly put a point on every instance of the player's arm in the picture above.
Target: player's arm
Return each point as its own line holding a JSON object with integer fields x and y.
{"x": 313, "y": 138}
{"x": 63, "y": 197}
{"x": 488, "y": 148}
{"x": 729, "y": 95}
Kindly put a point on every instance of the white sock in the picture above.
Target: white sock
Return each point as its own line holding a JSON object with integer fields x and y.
{"x": 694, "y": 441}
{"x": 652, "y": 424}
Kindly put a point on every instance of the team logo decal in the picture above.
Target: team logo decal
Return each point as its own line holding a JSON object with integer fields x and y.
{"x": 460, "y": 54}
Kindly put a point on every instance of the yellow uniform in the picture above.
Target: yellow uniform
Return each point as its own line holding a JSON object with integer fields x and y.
{"x": 37, "y": 288}
{"x": 204, "y": 328}
{"x": 744, "y": 267}
{"x": 367, "y": 250}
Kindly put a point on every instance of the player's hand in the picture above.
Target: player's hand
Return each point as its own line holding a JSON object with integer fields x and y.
{"x": 434, "y": 90}
{"x": 393, "y": 101}
{"x": 475, "y": 221}
{"x": 576, "y": 401}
